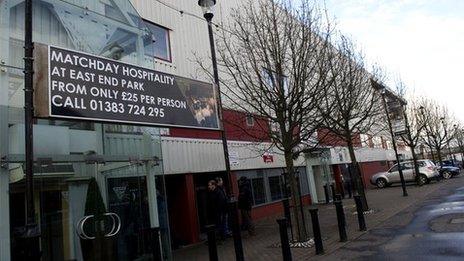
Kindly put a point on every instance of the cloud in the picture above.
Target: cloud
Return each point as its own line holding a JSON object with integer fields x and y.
{"x": 421, "y": 40}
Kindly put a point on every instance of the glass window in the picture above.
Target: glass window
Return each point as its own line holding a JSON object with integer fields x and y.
{"x": 303, "y": 181}
{"x": 271, "y": 80}
{"x": 408, "y": 165}
{"x": 259, "y": 193}
{"x": 250, "y": 120}
{"x": 161, "y": 46}
{"x": 394, "y": 168}
{"x": 73, "y": 125}
{"x": 275, "y": 187}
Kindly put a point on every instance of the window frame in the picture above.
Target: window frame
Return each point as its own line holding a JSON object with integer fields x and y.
{"x": 250, "y": 120}
{"x": 168, "y": 34}
{"x": 271, "y": 75}
{"x": 254, "y": 193}
{"x": 392, "y": 169}
{"x": 281, "y": 191}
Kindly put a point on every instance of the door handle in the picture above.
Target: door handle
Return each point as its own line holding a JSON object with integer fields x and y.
{"x": 115, "y": 226}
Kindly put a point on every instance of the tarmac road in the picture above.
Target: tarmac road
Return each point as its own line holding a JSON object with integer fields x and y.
{"x": 431, "y": 229}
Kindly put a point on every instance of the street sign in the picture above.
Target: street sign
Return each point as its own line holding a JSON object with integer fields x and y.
{"x": 76, "y": 85}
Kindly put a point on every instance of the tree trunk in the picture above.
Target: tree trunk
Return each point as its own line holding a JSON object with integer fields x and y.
{"x": 298, "y": 222}
{"x": 432, "y": 154}
{"x": 439, "y": 157}
{"x": 416, "y": 165}
{"x": 356, "y": 175}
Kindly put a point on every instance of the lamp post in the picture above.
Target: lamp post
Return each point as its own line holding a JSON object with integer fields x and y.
{"x": 31, "y": 232}
{"x": 442, "y": 120}
{"x": 453, "y": 157}
{"x": 207, "y": 7}
{"x": 412, "y": 144}
{"x": 403, "y": 184}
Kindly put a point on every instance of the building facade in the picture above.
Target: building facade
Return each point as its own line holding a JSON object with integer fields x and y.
{"x": 146, "y": 177}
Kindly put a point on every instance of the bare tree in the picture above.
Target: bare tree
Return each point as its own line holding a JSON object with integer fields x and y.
{"x": 439, "y": 126}
{"x": 413, "y": 123}
{"x": 350, "y": 105}
{"x": 459, "y": 140}
{"x": 271, "y": 62}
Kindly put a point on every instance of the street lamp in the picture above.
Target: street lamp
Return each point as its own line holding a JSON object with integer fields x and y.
{"x": 208, "y": 6}
{"x": 383, "y": 93}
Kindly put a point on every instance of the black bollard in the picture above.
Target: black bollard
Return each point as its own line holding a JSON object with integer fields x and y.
{"x": 332, "y": 188}
{"x": 286, "y": 253}
{"x": 338, "y": 197}
{"x": 348, "y": 187}
{"x": 316, "y": 231}
{"x": 156, "y": 244}
{"x": 342, "y": 189}
{"x": 236, "y": 234}
{"x": 359, "y": 209}
{"x": 326, "y": 193}
{"x": 287, "y": 214}
{"x": 212, "y": 244}
{"x": 341, "y": 220}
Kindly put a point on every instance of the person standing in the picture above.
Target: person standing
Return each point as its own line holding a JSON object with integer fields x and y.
{"x": 217, "y": 206}
{"x": 245, "y": 202}
{"x": 225, "y": 215}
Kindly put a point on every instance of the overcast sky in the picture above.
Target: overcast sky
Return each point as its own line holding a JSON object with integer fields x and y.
{"x": 422, "y": 40}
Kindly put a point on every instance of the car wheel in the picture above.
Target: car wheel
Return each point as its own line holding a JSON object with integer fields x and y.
{"x": 446, "y": 174}
{"x": 381, "y": 183}
{"x": 423, "y": 179}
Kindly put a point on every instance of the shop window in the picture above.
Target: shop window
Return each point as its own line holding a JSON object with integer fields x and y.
{"x": 275, "y": 187}
{"x": 259, "y": 193}
{"x": 161, "y": 46}
{"x": 250, "y": 120}
{"x": 271, "y": 80}
{"x": 73, "y": 125}
{"x": 303, "y": 178}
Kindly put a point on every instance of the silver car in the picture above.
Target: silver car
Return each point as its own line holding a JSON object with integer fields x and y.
{"x": 427, "y": 171}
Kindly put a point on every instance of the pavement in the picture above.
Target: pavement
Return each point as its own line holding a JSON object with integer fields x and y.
{"x": 431, "y": 229}
{"x": 390, "y": 225}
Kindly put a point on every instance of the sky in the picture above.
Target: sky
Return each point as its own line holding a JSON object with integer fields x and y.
{"x": 422, "y": 41}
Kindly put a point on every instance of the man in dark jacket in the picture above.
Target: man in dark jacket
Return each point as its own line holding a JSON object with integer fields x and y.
{"x": 245, "y": 202}
{"x": 218, "y": 206}
{"x": 225, "y": 215}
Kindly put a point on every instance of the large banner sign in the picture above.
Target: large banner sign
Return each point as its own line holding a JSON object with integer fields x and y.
{"x": 87, "y": 87}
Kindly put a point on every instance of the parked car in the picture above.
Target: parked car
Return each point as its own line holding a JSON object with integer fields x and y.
{"x": 427, "y": 172}
{"x": 452, "y": 163}
{"x": 448, "y": 172}
{"x": 449, "y": 169}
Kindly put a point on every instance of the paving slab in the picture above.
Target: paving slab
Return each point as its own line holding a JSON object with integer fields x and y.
{"x": 389, "y": 207}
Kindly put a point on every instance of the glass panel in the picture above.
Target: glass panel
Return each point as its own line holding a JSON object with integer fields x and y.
{"x": 408, "y": 165}
{"x": 303, "y": 178}
{"x": 71, "y": 198}
{"x": 275, "y": 188}
{"x": 160, "y": 47}
{"x": 109, "y": 28}
{"x": 259, "y": 193}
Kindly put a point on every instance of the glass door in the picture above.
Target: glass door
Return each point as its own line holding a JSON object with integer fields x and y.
{"x": 86, "y": 211}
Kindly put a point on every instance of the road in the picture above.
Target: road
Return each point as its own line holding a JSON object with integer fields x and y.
{"x": 431, "y": 229}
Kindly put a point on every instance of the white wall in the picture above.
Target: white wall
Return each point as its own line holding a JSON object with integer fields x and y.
{"x": 182, "y": 155}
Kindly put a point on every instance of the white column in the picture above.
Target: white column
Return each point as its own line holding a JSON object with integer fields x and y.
{"x": 4, "y": 173}
{"x": 311, "y": 181}
{"x": 151, "y": 182}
